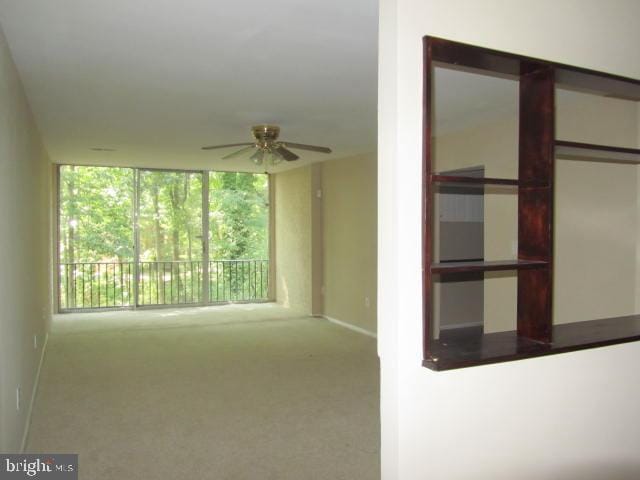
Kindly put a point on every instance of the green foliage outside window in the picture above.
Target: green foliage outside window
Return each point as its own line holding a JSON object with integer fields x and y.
{"x": 96, "y": 236}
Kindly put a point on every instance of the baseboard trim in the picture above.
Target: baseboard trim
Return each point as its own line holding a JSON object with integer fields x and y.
{"x": 349, "y": 326}
{"x": 461, "y": 325}
{"x": 34, "y": 391}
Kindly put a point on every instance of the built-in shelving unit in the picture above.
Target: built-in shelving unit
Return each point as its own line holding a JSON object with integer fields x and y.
{"x": 538, "y": 148}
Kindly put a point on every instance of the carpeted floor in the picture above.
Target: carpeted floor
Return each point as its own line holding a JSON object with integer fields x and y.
{"x": 242, "y": 392}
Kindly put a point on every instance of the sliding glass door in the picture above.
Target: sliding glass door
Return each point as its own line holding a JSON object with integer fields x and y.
{"x": 95, "y": 237}
{"x": 169, "y": 238}
{"x": 238, "y": 236}
{"x": 133, "y": 238}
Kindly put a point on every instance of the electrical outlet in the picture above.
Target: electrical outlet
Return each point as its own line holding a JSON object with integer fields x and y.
{"x": 35, "y": 342}
{"x": 514, "y": 247}
{"x": 319, "y": 193}
{"x": 18, "y": 395}
{"x": 367, "y": 302}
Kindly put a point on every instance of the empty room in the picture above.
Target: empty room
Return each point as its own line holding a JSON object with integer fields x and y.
{"x": 193, "y": 253}
{"x": 388, "y": 239}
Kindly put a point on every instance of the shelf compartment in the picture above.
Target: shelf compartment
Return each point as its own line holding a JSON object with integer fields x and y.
{"x": 469, "y": 347}
{"x": 596, "y": 153}
{"x": 486, "y": 266}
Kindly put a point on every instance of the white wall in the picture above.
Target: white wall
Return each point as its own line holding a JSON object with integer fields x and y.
{"x": 24, "y": 252}
{"x": 570, "y": 416}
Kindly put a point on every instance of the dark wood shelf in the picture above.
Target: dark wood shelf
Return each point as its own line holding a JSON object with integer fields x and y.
{"x": 483, "y": 266}
{"x": 454, "y": 179}
{"x": 597, "y": 83}
{"x": 493, "y": 62}
{"x": 596, "y": 153}
{"x": 468, "y": 347}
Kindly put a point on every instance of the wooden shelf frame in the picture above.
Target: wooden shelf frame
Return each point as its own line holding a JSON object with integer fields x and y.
{"x": 485, "y": 266}
{"x": 537, "y": 150}
{"x": 456, "y": 179}
{"x": 471, "y": 347}
{"x": 596, "y": 153}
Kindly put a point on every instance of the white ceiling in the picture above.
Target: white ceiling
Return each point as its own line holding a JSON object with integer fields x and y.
{"x": 158, "y": 79}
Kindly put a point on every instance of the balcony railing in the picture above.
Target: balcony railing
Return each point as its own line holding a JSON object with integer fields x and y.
{"x": 96, "y": 285}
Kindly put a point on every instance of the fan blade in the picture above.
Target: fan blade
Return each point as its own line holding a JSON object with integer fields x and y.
{"x": 288, "y": 155}
{"x": 237, "y": 153}
{"x": 212, "y": 147}
{"x": 302, "y": 146}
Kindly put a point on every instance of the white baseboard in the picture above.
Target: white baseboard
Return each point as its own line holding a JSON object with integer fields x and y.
{"x": 349, "y": 326}
{"x": 36, "y": 383}
{"x": 461, "y": 325}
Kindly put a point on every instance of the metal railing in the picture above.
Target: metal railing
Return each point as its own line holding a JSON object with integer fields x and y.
{"x": 96, "y": 285}
{"x": 238, "y": 280}
{"x": 170, "y": 283}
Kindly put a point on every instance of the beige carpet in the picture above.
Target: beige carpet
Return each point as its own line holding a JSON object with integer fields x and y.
{"x": 243, "y": 392}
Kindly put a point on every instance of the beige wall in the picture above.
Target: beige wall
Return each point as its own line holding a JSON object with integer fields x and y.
{"x": 325, "y": 240}
{"x": 596, "y": 213}
{"x": 638, "y": 224}
{"x": 24, "y": 252}
{"x": 317, "y": 241}
{"x": 579, "y": 408}
{"x": 293, "y": 254}
{"x": 350, "y": 267}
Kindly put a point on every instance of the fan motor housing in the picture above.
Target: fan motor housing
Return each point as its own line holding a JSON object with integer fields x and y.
{"x": 265, "y": 135}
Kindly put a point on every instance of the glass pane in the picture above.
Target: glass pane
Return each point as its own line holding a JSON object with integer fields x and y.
{"x": 96, "y": 237}
{"x": 238, "y": 236}
{"x": 170, "y": 226}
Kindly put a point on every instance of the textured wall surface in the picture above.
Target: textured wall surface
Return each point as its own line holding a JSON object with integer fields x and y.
{"x": 293, "y": 239}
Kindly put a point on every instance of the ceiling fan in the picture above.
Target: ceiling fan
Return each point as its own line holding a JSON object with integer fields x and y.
{"x": 266, "y": 148}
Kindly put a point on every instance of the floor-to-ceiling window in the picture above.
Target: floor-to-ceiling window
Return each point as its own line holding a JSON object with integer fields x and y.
{"x": 238, "y": 236}
{"x": 96, "y": 237}
{"x": 170, "y": 247}
{"x": 134, "y": 237}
